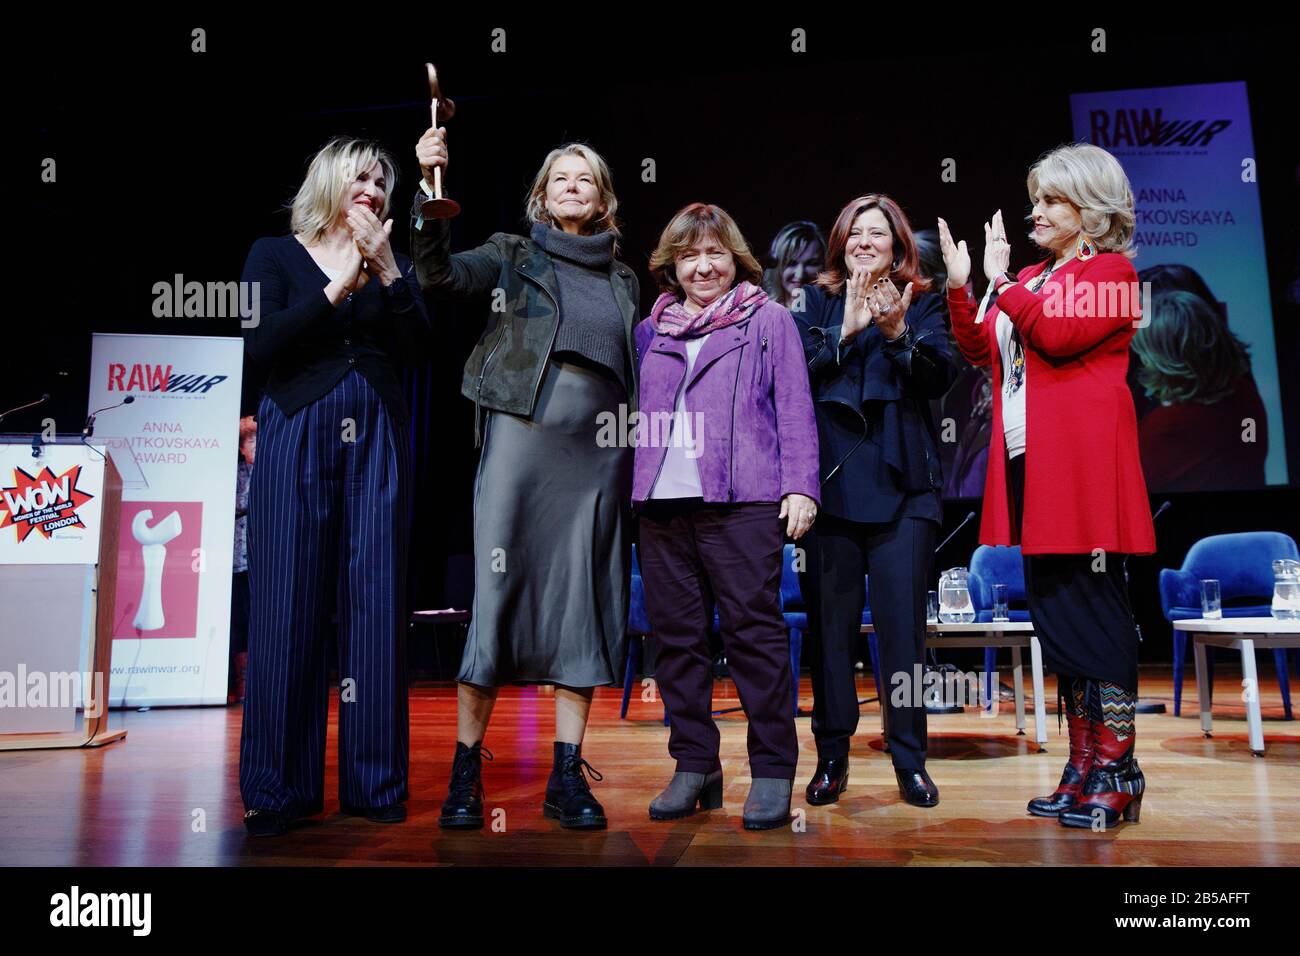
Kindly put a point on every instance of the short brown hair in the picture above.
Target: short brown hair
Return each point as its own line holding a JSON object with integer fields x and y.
{"x": 907, "y": 262}
{"x": 688, "y": 225}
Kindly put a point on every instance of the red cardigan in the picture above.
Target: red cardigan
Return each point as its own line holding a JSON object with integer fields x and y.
{"x": 1084, "y": 488}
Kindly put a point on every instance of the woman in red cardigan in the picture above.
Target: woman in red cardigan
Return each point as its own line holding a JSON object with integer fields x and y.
{"x": 1064, "y": 475}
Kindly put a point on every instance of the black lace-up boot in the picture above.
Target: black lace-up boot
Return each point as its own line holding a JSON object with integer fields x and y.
{"x": 464, "y": 804}
{"x": 568, "y": 795}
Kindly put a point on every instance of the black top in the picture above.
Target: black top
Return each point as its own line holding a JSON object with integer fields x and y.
{"x": 877, "y": 440}
{"x": 308, "y": 344}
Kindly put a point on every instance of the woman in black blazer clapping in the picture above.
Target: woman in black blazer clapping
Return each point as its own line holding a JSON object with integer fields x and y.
{"x": 877, "y": 350}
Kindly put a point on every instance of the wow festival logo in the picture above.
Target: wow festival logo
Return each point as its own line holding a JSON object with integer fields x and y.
{"x": 43, "y": 502}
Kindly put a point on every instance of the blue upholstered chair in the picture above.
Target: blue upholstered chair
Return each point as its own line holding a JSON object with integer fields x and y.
{"x": 1243, "y": 565}
{"x": 873, "y": 645}
{"x": 638, "y": 626}
{"x": 796, "y": 619}
{"x": 990, "y": 565}
{"x": 795, "y": 612}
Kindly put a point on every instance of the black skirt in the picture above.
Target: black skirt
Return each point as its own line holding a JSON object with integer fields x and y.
{"x": 1079, "y": 605}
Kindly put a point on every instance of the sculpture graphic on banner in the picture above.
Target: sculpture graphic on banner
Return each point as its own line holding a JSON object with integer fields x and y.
{"x": 153, "y": 548}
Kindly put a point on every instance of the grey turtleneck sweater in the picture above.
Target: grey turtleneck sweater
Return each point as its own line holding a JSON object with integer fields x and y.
{"x": 590, "y": 321}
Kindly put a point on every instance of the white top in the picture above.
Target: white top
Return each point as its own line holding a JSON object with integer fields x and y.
{"x": 1013, "y": 402}
{"x": 679, "y": 475}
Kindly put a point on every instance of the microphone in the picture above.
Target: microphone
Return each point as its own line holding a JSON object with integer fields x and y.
{"x": 1164, "y": 506}
{"x": 965, "y": 521}
{"x": 1145, "y": 706}
{"x": 40, "y": 401}
{"x": 88, "y": 429}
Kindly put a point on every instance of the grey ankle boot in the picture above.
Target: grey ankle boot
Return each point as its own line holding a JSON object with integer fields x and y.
{"x": 684, "y": 791}
{"x": 768, "y": 803}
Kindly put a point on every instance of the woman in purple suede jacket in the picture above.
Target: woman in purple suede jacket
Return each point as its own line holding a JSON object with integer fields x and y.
{"x": 726, "y": 464}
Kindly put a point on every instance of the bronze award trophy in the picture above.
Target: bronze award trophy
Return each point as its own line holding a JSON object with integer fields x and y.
{"x": 439, "y": 207}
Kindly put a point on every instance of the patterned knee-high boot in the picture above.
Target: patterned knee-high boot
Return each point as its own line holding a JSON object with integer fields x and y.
{"x": 1073, "y": 696}
{"x": 1115, "y": 784}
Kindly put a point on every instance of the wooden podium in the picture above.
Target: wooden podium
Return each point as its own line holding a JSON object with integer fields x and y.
{"x": 60, "y": 507}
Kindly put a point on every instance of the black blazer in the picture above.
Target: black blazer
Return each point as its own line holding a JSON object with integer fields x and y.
{"x": 308, "y": 344}
{"x": 875, "y": 431}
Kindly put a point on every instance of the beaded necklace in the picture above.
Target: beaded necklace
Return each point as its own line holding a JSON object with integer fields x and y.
{"x": 1016, "y": 373}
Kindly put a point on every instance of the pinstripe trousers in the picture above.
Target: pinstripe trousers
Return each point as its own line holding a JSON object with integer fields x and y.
{"x": 327, "y": 527}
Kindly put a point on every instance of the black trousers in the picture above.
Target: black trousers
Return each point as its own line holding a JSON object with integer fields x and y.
{"x": 897, "y": 555}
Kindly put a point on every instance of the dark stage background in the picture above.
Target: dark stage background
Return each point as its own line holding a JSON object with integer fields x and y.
{"x": 171, "y": 161}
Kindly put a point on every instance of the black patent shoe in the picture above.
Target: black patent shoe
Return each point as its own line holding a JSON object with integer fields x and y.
{"x": 568, "y": 795}
{"x": 463, "y": 807}
{"x": 829, "y": 780}
{"x": 264, "y": 823}
{"x": 389, "y": 813}
{"x": 916, "y": 787}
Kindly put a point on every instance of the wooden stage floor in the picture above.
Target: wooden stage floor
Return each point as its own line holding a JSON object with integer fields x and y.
{"x": 139, "y": 802}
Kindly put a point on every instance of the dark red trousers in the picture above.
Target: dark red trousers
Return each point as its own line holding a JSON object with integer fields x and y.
{"x": 693, "y": 554}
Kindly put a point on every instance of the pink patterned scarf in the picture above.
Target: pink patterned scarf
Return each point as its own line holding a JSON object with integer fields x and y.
{"x": 669, "y": 316}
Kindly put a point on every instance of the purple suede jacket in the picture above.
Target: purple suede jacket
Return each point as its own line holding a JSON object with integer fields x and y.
{"x": 750, "y": 390}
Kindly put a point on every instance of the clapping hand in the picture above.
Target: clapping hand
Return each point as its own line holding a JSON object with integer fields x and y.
{"x": 857, "y": 315}
{"x": 354, "y": 276}
{"x": 867, "y": 302}
{"x": 997, "y": 251}
{"x": 888, "y": 308}
{"x": 956, "y": 258}
{"x": 370, "y": 238}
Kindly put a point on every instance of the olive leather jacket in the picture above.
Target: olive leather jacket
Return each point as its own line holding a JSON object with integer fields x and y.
{"x": 504, "y": 372}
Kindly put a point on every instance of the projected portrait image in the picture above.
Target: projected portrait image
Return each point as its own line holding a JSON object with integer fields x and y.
{"x": 1201, "y": 423}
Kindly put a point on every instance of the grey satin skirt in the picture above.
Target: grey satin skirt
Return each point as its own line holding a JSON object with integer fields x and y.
{"x": 552, "y": 540}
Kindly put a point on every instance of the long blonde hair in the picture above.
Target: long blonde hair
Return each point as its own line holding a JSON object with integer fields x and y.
{"x": 324, "y": 189}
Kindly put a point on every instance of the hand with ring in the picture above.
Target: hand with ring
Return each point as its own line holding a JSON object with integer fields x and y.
{"x": 888, "y": 308}
{"x": 997, "y": 251}
{"x": 801, "y": 511}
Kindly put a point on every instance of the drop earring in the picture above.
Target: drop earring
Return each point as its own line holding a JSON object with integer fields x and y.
{"x": 1084, "y": 248}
